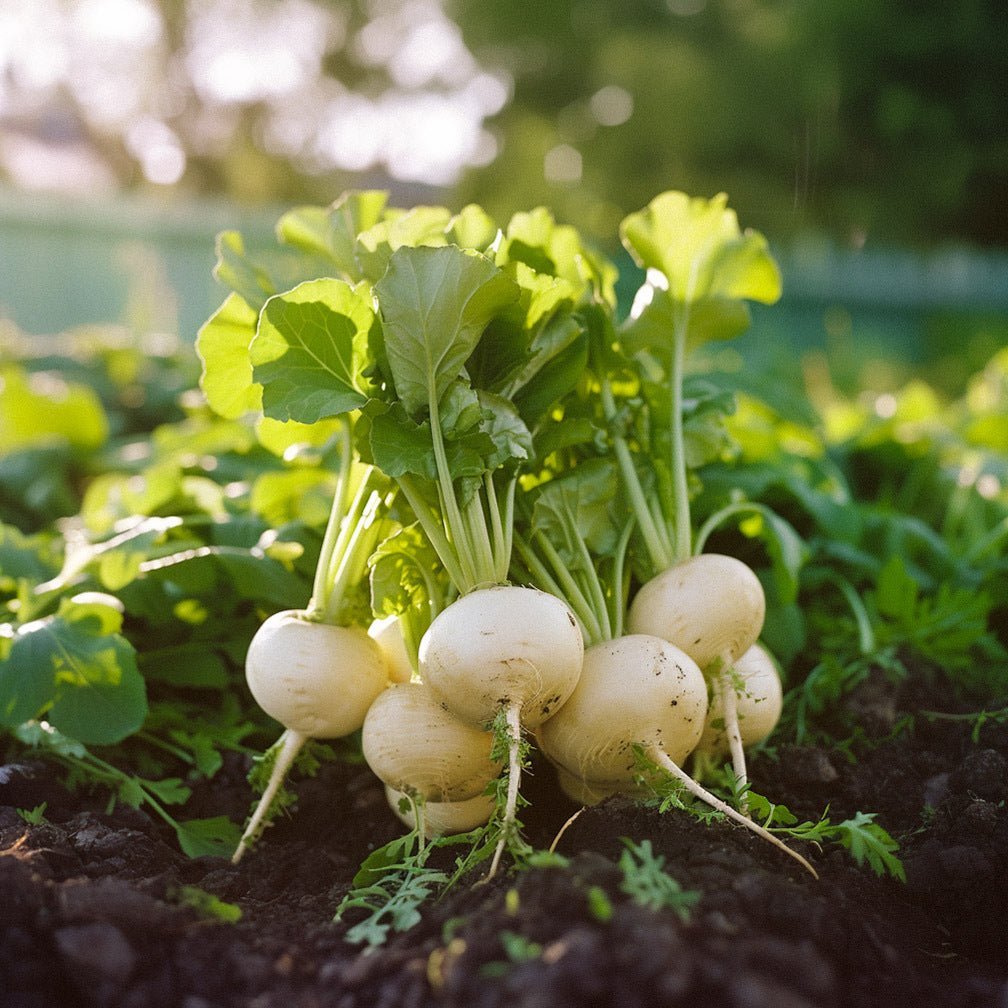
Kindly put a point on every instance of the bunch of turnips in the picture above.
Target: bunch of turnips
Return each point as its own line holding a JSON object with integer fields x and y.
{"x": 510, "y": 557}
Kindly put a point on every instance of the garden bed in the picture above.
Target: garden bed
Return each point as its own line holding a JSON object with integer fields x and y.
{"x": 100, "y": 909}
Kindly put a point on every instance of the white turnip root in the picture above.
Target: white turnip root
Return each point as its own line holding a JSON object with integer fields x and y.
{"x": 442, "y": 818}
{"x": 712, "y": 606}
{"x": 412, "y": 743}
{"x": 314, "y": 678}
{"x": 503, "y": 649}
{"x": 759, "y": 702}
{"x": 318, "y": 680}
{"x": 387, "y": 632}
{"x": 588, "y": 792}
{"x": 636, "y": 692}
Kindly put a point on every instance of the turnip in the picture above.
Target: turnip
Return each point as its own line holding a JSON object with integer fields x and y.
{"x": 505, "y": 649}
{"x": 446, "y": 818}
{"x": 387, "y": 634}
{"x": 593, "y": 734}
{"x": 412, "y": 743}
{"x": 636, "y": 692}
{"x": 700, "y": 271}
{"x": 309, "y": 669}
{"x": 712, "y": 606}
{"x": 500, "y": 653}
{"x": 759, "y": 703}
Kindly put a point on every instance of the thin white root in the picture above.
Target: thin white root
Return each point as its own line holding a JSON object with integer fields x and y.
{"x": 291, "y": 743}
{"x": 563, "y": 829}
{"x": 729, "y": 708}
{"x": 513, "y": 713}
{"x": 659, "y": 757}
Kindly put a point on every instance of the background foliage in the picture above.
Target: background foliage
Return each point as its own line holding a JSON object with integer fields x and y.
{"x": 860, "y": 120}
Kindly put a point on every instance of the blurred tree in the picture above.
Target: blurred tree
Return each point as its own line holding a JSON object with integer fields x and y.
{"x": 861, "y": 119}
{"x": 872, "y": 117}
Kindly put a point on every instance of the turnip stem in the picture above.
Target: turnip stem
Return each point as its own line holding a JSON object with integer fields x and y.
{"x": 432, "y": 529}
{"x": 501, "y": 548}
{"x": 681, "y": 530}
{"x": 571, "y": 591}
{"x": 653, "y": 532}
{"x": 321, "y": 588}
{"x": 658, "y": 756}
{"x": 513, "y": 714}
{"x": 291, "y": 743}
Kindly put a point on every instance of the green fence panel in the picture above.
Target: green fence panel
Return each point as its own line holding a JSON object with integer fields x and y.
{"x": 65, "y": 264}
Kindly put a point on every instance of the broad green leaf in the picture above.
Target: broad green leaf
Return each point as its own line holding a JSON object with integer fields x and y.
{"x": 405, "y": 573}
{"x": 256, "y": 277}
{"x": 234, "y": 269}
{"x": 473, "y": 228}
{"x": 713, "y": 319}
{"x": 217, "y": 836}
{"x": 787, "y": 551}
{"x": 581, "y": 505}
{"x": 310, "y": 351}
{"x": 522, "y": 340}
{"x": 223, "y": 347}
{"x": 420, "y": 226}
{"x": 290, "y": 494}
{"x": 435, "y": 303}
{"x": 534, "y": 238}
{"x": 285, "y": 438}
{"x": 398, "y": 445}
{"x": 194, "y": 665}
{"x": 169, "y": 790}
{"x": 24, "y": 557}
{"x": 506, "y": 429}
{"x": 43, "y": 408}
{"x": 332, "y": 231}
{"x": 557, "y": 376}
{"x": 75, "y": 669}
{"x": 698, "y": 247}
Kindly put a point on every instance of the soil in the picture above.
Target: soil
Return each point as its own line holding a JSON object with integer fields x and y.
{"x": 91, "y": 914}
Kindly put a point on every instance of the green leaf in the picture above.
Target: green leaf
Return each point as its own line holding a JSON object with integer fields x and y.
{"x": 331, "y": 232}
{"x": 246, "y": 278}
{"x": 435, "y": 303}
{"x": 169, "y": 791}
{"x": 580, "y": 506}
{"x": 698, "y": 247}
{"x": 206, "y": 904}
{"x": 217, "y": 836}
{"x": 867, "y": 841}
{"x": 897, "y": 592}
{"x": 311, "y": 349}
{"x": 419, "y": 226}
{"x": 263, "y": 579}
{"x": 647, "y": 883}
{"x": 23, "y": 558}
{"x": 472, "y": 227}
{"x": 506, "y": 430}
{"x": 43, "y": 408}
{"x": 398, "y": 445}
{"x": 193, "y": 665}
{"x": 75, "y": 669}
{"x": 405, "y": 572}
{"x": 223, "y": 347}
